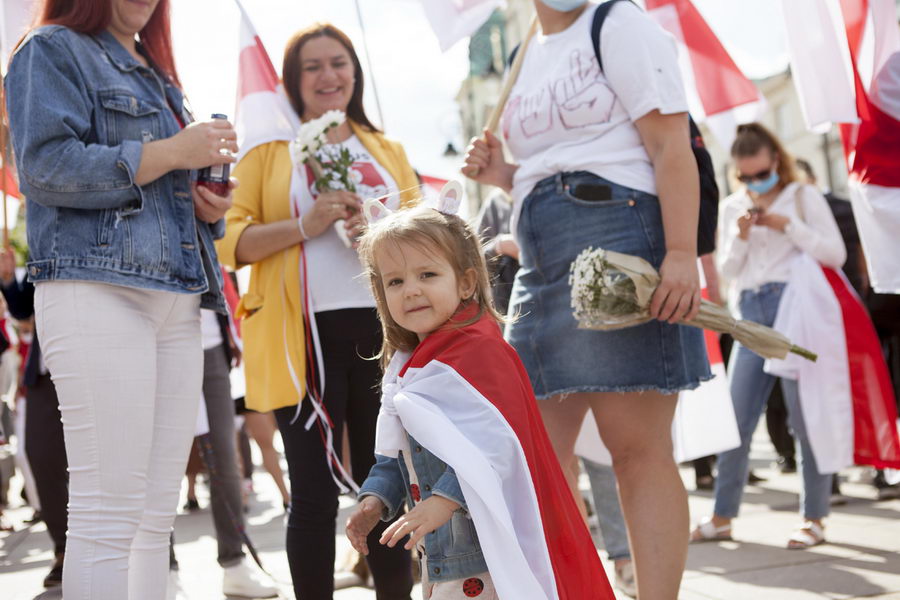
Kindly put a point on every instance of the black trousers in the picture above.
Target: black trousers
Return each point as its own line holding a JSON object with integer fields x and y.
{"x": 46, "y": 451}
{"x": 349, "y": 339}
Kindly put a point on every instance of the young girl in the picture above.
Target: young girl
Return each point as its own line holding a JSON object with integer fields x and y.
{"x": 459, "y": 434}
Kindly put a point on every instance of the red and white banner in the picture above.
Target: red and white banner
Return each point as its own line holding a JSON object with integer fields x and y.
{"x": 453, "y": 20}
{"x": 718, "y": 93}
{"x": 846, "y": 395}
{"x": 862, "y": 92}
{"x": 263, "y": 113}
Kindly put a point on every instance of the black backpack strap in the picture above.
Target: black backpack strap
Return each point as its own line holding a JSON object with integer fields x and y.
{"x": 600, "y": 15}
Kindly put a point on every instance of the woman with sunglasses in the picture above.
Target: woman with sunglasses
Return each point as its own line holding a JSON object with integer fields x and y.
{"x": 763, "y": 227}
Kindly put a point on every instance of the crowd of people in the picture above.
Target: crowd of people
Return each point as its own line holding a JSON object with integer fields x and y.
{"x": 441, "y": 381}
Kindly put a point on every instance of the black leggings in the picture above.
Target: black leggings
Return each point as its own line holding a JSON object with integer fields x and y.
{"x": 349, "y": 337}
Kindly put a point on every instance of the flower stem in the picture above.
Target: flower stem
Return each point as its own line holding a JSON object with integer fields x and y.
{"x": 805, "y": 353}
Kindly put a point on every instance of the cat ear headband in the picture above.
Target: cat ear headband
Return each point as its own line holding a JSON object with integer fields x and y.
{"x": 447, "y": 202}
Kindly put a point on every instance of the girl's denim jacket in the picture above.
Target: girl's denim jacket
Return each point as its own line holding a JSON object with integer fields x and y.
{"x": 81, "y": 107}
{"x": 453, "y": 549}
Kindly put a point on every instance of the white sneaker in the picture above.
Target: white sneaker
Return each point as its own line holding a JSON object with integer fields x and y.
{"x": 246, "y": 579}
{"x": 174, "y": 591}
{"x": 625, "y": 579}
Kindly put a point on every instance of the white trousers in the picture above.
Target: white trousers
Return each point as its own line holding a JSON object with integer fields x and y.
{"x": 128, "y": 367}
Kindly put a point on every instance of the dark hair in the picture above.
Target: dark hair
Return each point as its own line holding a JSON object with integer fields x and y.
{"x": 93, "y": 16}
{"x": 433, "y": 231}
{"x": 753, "y": 137}
{"x": 291, "y": 71}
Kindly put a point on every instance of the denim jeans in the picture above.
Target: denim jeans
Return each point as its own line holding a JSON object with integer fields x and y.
{"x": 608, "y": 509}
{"x": 220, "y": 456}
{"x": 750, "y": 387}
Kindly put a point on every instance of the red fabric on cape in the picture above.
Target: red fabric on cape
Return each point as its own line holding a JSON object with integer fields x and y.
{"x": 875, "y": 438}
{"x": 479, "y": 354}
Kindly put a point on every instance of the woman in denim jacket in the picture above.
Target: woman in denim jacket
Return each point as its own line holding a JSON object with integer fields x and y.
{"x": 122, "y": 259}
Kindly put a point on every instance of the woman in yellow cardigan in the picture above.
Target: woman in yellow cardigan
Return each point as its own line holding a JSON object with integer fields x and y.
{"x": 285, "y": 229}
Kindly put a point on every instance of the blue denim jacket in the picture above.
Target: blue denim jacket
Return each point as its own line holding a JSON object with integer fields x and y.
{"x": 81, "y": 108}
{"x": 453, "y": 550}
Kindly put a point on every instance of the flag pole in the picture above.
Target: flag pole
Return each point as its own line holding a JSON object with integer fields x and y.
{"x": 510, "y": 81}
{"x": 362, "y": 28}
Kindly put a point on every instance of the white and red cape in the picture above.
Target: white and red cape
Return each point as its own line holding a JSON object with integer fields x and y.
{"x": 464, "y": 395}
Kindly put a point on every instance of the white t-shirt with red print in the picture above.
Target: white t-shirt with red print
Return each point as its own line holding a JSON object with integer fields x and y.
{"x": 334, "y": 271}
{"x": 564, "y": 114}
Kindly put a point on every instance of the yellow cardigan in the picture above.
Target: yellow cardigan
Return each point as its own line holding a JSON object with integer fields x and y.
{"x": 271, "y": 311}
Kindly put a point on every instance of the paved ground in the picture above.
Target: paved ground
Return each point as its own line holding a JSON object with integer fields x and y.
{"x": 862, "y": 559}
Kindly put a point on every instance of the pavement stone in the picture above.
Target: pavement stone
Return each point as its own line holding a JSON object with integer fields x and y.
{"x": 861, "y": 560}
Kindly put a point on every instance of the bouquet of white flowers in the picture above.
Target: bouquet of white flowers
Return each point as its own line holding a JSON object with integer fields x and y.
{"x": 611, "y": 290}
{"x": 330, "y": 163}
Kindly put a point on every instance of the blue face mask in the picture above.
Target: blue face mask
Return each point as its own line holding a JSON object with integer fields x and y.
{"x": 564, "y": 5}
{"x": 764, "y": 185}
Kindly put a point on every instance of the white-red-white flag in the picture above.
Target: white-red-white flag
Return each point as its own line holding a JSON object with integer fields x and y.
{"x": 820, "y": 62}
{"x": 718, "y": 93}
{"x": 452, "y": 20}
{"x": 865, "y": 31}
{"x": 263, "y": 112}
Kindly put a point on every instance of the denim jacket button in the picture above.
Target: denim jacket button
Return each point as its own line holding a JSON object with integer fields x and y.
{"x": 418, "y": 448}
{"x": 33, "y": 270}
{"x": 427, "y": 488}
{"x": 437, "y": 570}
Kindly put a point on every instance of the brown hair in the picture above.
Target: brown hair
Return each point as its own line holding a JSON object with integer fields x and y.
{"x": 753, "y": 137}
{"x": 291, "y": 71}
{"x": 432, "y": 231}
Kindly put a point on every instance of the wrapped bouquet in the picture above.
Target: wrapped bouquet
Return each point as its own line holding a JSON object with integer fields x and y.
{"x": 330, "y": 163}
{"x": 611, "y": 290}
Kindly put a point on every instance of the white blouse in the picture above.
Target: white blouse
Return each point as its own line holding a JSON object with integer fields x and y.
{"x": 767, "y": 254}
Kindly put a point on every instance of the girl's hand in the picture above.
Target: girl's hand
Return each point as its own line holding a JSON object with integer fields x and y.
{"x": 328, "y": 208}
{"x": 210, "y": 207}
{"x": 200, "y": 144}
{"x": 485, "y": 162}
{"x": 361, "y": 523}
{"x": 427, "y": 516}
{"x": 677, "y": 297}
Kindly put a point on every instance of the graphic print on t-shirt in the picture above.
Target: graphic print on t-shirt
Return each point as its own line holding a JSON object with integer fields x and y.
{"x": 368, "y": 181}
{"x": 578, "y": 99}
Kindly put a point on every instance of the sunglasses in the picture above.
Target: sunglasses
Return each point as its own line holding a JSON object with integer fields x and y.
{"x": 756, "y": 176}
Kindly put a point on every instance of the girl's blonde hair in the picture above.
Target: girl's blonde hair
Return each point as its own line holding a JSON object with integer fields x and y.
{"x": 753, "y": 137}
{"x": 432, "y": 231}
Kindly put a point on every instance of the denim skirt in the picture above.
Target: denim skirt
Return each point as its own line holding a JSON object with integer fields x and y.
{"x": 554, "y": 227}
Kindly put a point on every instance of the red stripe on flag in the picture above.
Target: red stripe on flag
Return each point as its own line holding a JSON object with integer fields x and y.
{"x": 720, "y": 84}
{"x": 256, "y": 72}
{"x": 875, "y": 439}
{"x": 870, "y": 147}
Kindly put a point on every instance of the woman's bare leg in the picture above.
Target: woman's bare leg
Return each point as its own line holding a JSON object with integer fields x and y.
{"x": 636, "y": 427}
{"x": 262, "y": 427}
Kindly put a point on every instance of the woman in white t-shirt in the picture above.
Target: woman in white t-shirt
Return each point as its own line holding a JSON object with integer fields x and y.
{"x": 305, "y": 284}
{"x": 603, "y": 159}
{"x": 763, "y": 228}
